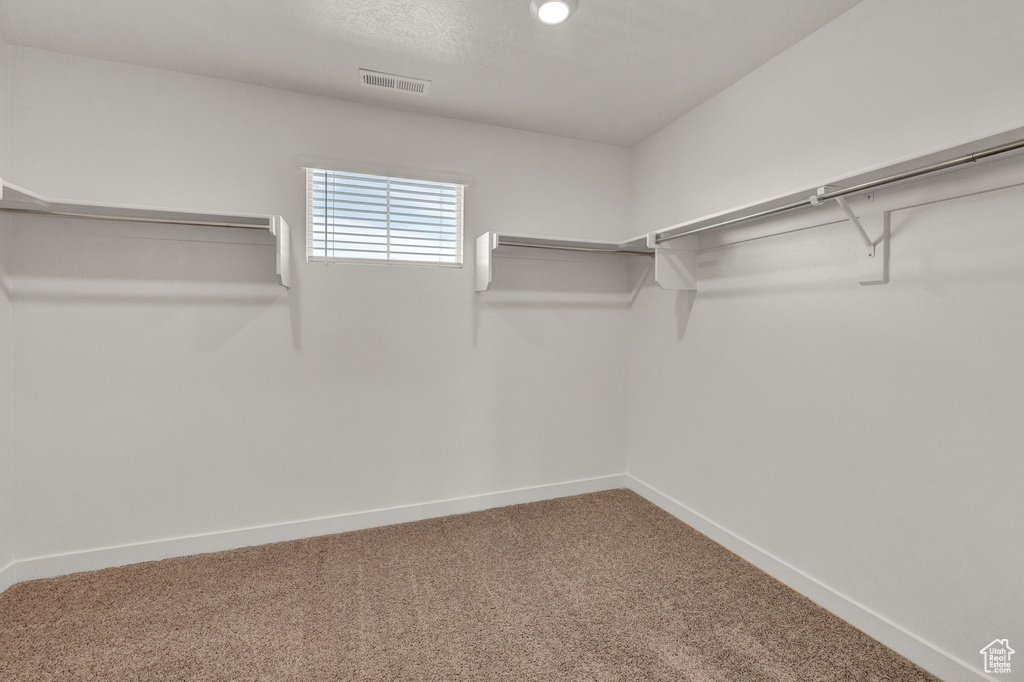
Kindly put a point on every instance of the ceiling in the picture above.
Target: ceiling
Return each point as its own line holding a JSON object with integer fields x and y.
{"x": 615, "y": 72}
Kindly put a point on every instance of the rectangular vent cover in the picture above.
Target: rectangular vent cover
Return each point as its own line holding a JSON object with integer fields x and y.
{"x": 391, "y": 81}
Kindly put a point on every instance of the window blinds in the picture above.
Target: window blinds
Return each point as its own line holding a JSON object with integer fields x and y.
{"x": 372, "y": 217}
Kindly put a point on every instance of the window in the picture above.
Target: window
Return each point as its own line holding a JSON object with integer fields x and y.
{"x": 355, "y": 216}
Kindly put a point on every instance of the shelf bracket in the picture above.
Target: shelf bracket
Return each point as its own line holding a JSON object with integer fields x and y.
{"x": 279, "y": 228}
{"x": 873, "y": 230}
{"x": 485, "y": 245}
{"x": 675, "y": 263}
{"x": 868, "y": 242}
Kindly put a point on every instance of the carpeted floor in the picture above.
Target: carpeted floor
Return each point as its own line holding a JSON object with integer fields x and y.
{"x": 596, "y": 587}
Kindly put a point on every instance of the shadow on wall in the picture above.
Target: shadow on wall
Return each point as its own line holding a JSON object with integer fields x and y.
{"x": 5, "y": 290}
{"x": 684, "y": 306}
{"x": 670, "y": 304}
{"x": 554, "y": 281}
{"x": 226, "y": 277}
{"x": 557, "y": 326}
{"x": 5, "y": 253}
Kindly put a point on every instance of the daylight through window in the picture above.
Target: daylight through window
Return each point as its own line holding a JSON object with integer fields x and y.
{"x": 355, "y": 216}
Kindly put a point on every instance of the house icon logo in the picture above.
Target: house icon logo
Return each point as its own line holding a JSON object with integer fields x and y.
{"x": 997, "y": 656}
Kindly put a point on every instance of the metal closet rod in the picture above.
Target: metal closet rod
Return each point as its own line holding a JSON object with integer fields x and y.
{"x": 863, "y": 187}
{"x": 504, "y": 242}
{"x": 134, "y": 219}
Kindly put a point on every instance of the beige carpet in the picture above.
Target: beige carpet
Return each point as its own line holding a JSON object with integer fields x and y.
{"x": 596, "y": 587}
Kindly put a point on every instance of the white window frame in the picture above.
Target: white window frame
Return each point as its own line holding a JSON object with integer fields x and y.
{"x": 315, "y": 229}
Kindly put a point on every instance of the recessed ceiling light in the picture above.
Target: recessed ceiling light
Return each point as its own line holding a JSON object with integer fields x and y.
{"x": 552, "y": 12}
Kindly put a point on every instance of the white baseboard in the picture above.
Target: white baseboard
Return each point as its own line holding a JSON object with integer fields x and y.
{"x": 933, "y": 659}
{"x": 7, "y": 576}
{"x": 106, "y": 557}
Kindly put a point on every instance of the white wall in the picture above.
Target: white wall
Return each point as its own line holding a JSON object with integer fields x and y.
{"x": 868, "y": 436}
{"x": 6, "y": 336}
{"x": 167, "y": 387}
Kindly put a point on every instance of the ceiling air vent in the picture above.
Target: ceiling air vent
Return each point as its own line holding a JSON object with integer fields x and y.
{"x": 391, "y": 81}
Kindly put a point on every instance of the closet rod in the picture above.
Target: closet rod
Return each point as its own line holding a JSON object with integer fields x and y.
{"x": 503, "y": 242}
{"x": 845, "y": 191}
{"x": 133, "y": 219}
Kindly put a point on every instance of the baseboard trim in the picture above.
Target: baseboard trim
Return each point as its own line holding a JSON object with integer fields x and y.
{"x": 7, "y": 576}
{"x": 106, "y": 557}
{"x": 933, "y": 659}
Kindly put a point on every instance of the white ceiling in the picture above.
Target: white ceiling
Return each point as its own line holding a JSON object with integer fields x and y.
{"x": 616, "y": 72}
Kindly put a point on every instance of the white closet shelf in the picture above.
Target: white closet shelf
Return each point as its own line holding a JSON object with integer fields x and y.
{"x": 501, "y": 241}
{"x": 490, "y": 244}
{"x": 864, "y": 199}
{"x": 20, "y": 201}
{"x": 675, "y": 265}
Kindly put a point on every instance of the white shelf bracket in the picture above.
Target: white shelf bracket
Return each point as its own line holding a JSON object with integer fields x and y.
{"x": 485, "y": 245}
{"x": 873, "y": 231}
{"x": 675, "y": 263}
{"x": 868, "y": 242}
{"x": 279, "y": 228}
{"x": 874, "y": 264}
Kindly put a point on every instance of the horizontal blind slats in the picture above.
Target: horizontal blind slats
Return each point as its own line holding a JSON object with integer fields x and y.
{"x": 371, "y": 239}
{"x": 355, "y": 215}
{"x": 379, "y": 190}
{"x": 423, "y": 250}
{"x": 449, "y": 214}
{"x": 341, "y": 225}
